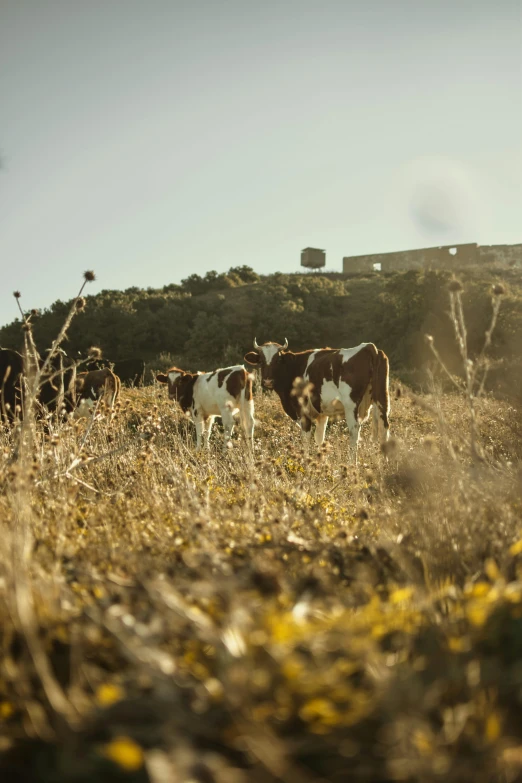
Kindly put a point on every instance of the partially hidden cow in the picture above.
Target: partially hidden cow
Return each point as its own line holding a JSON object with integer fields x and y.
{"x": 59, "y": 385}
{"x": 131, "y": 371}
{"x": 57, "y": 381}
{"x": 11, "y": 380}
{"x": 96, "y": 385}
{"x": 205, "y": 395}
{"x": 53, "y": 377}
{"x": 313, "y": 385}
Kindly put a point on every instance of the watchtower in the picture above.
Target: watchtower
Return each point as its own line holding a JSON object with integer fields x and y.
{"x": 313, "y": 258}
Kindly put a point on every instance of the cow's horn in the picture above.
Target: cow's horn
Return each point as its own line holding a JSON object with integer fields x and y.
{"x": 285, "y": 346}
{"x": 256, "y": 346}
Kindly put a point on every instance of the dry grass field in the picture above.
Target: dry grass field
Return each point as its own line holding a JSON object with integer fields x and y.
{"x": 173, "y": 617}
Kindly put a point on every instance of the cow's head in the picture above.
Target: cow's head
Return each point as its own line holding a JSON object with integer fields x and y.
{"x": 266, "y": 357}
{"x": 177, "y": 381}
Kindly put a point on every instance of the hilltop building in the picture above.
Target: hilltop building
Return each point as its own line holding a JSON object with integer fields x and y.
{"x": 444, "y": 257}
{"x": 313, "y": 258}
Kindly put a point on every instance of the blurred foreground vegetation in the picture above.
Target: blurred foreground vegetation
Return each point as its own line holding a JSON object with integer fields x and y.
{"x": 171, "y": 617}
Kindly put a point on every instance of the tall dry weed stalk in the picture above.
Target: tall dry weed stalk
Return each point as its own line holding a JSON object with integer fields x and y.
{"x": 36, "y": 372}
{"x": 474, "y": 370}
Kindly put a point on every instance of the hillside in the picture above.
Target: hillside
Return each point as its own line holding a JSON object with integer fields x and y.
{"x": 282, "y": 615}
{"x": 209, "y": 322}
{"x": 174, "y": 616}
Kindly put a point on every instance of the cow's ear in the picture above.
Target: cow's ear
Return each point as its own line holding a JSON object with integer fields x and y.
{"x": 252, "y": 358}
{"x": 162, "y": 378}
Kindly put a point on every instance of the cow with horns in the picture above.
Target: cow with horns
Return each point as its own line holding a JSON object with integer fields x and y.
{"x": 205, "y": 395}
{"x": 316, "y": 384}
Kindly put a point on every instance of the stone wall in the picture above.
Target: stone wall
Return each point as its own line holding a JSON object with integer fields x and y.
{"x": 500, "y": 254}
{"x": 444, "y": 257}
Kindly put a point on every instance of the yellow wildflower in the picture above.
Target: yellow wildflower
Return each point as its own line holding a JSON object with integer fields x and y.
{"x": 6, "y": 710}
{"x": 126, "y": 753}
{"x": 477, "y": 613}
{"x": 108, "y": 694}
{"x": 401, "y": 595}
{"x": 493, "y": 727}
{"x": 422, "y": 742}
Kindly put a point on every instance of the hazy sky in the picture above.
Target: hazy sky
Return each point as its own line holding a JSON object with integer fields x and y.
{"x": 150, "y": 139}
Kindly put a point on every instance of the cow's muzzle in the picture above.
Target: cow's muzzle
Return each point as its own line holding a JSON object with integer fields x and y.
{"x": 268, "y": 384}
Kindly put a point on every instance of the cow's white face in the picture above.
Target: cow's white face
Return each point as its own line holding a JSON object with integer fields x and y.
{"x": 173, "y": 381}
{"x": 269, "y": 355}
{"x": 265, "y": 357}
{"x": 173, "y": 386}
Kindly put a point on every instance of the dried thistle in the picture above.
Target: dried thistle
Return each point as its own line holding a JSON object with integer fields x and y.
{"x": 94, "y": 352}
{"x": 80, "y": 303}
{"x": 455, "y": 286}
{"x": 17, "y": 294}
{"x": 498, "y": 289}
{"x": 89, "y": 276}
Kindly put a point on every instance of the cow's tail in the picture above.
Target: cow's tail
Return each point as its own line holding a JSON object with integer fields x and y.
{"x": 246, "y": 409}
{"x": 118, "y": 387}
{"x": 381, "y": 396}
{"x": 112, "y": 389}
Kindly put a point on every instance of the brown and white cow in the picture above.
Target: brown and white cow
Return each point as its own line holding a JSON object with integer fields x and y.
{"x": 11, "y": 384}
{"x": 205, "y": 395}
{"x": 334, "y": 381}
{"x": 96, "y": 385}
{"x": 53, "y": 378}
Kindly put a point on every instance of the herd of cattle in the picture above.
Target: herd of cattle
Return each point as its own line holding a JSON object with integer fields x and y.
{"x": 60, "y": 383}
{"x": 312, "y": 385}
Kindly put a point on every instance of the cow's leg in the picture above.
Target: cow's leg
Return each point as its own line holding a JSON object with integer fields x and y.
{"x": 354, "y": 428}
{"x": 201, "y": 435}
{"x": 209, "y": 423}
{"x": 320, "y": 429}
{"x": 111, "y": 398}
{"x": 382, "y": 423}
{"x": 107, "y": 395}
{"x": 228, "y": 425}
{"x": 306, "y": 430}
{"x": 375, "y": 421}
{"x": 246, "y": 413}
{"x": 381, "y": 431}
